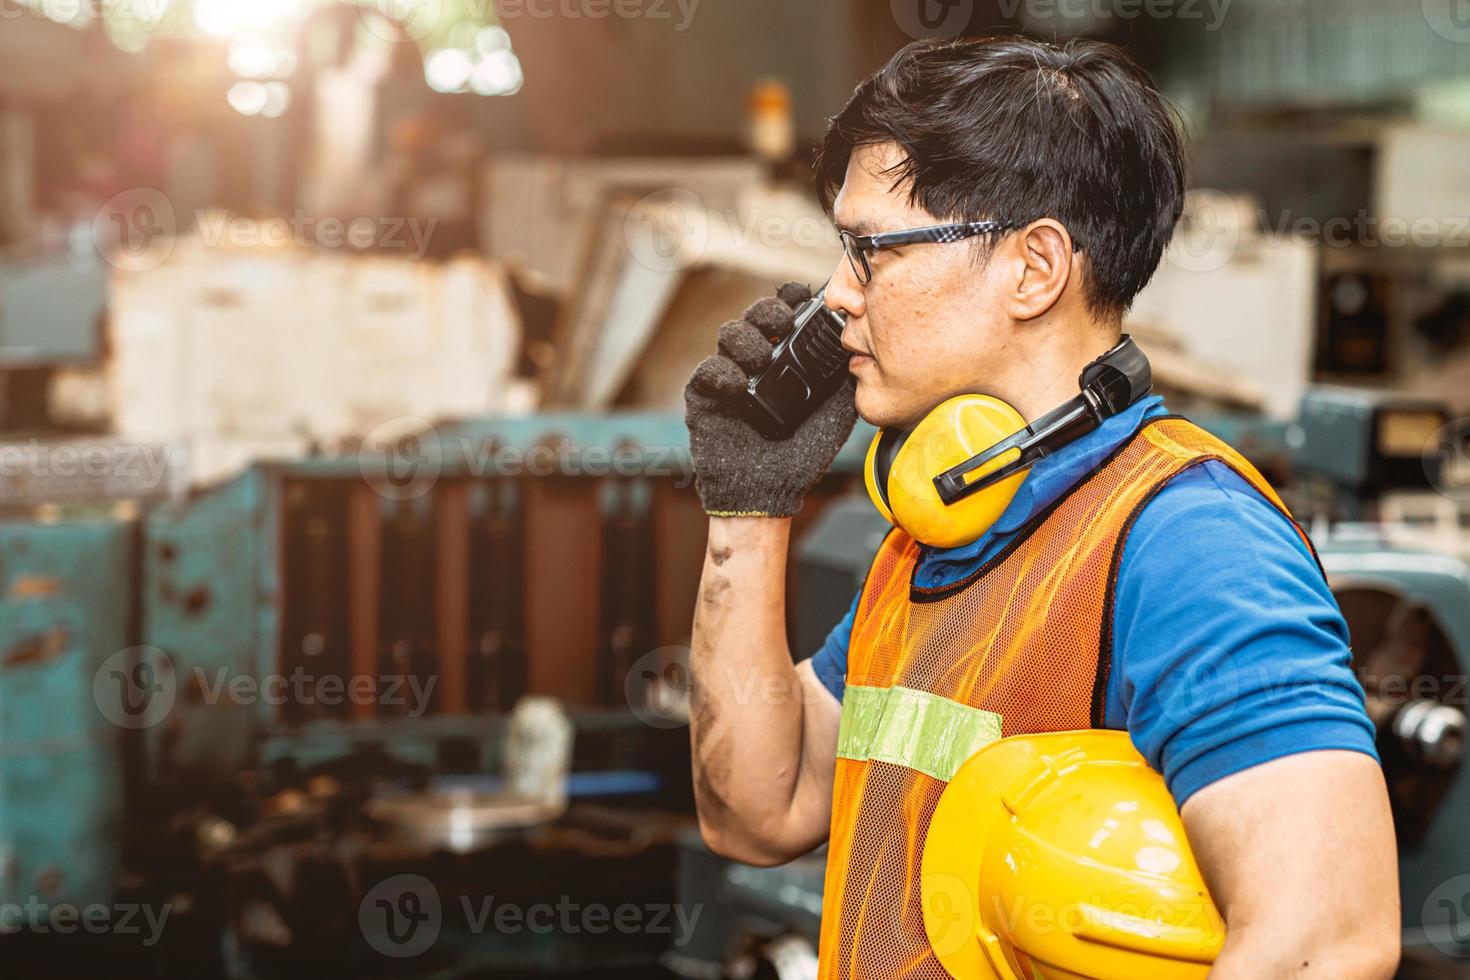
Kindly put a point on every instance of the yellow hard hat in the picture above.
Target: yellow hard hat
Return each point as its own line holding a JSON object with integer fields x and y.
{"x": 1063, "y": 856}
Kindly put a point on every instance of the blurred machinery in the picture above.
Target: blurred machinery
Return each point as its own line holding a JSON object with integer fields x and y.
{"x": 1370, "y": 459}
{"x": 257, "y": 705}
{"x": 240, "y": 352}
{"x": 61, "y": 786}
{"x": 1357, "y": 449}
{"x": 51, "y": 304}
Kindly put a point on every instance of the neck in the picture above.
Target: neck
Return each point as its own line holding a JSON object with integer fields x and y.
{"x": 1045, "y": 374}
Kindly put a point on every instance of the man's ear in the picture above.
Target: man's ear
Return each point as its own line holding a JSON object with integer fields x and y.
{"x": 1042, "y": 255}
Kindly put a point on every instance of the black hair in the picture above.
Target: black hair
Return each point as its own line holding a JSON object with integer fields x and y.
{"x": 1016, "y": 129}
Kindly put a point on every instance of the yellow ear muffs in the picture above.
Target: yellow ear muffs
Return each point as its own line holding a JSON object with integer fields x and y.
{"x": 902, "y": 464}
{"x": 877, "y": 483}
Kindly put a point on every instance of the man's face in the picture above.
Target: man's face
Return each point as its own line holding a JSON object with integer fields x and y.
{"x": 928, "y": 326}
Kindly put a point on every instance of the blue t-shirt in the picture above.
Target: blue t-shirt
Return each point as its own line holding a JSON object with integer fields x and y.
{"x": 1228, "y": 647}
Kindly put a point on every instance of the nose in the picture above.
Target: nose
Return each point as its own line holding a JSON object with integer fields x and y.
{"x": 844, "y": 292}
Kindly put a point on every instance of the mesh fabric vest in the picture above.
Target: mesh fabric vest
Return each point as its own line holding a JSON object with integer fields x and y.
{"x": 1020, "y": 646}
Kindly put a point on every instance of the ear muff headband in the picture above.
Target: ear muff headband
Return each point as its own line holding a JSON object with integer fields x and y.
{"x": 950, "y": 477}
{"x": 1109, "y": 384}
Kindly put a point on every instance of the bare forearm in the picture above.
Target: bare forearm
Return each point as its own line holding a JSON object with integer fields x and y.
{"x": 1252, "y": 953}
{"x": 746, "y": 708}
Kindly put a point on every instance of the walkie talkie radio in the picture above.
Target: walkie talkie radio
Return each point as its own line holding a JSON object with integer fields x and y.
{"x": 806, "y": 367}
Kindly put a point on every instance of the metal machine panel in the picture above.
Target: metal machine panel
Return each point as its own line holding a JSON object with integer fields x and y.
{"x": 63, "y": 624}
{"x": 202, "y": 583}
{"x": 51, "y": 309}
{"x": 1368, "y": 441}
{"x": 1433, "y": 846}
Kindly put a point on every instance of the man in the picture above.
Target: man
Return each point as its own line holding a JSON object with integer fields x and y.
{"x": 1222, "y": 652}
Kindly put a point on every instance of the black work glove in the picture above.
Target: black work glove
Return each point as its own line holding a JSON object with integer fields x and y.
{"x": 738, "y": 472}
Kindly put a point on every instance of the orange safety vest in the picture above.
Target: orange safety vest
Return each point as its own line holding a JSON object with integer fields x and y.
{"x": 1020, "y": 646}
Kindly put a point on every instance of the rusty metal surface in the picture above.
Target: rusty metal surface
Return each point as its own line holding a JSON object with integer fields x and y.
{"x": 364, "y": 546}
{"x": 207, "y": 610}
{"x": 64, "y": 622}
{"x": 563, "y": 581}
{"x": 452, "y": 596}
{"x": 516, "y": 591}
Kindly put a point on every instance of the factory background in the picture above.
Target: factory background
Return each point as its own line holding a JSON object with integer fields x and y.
{"x": 348, "y": 540}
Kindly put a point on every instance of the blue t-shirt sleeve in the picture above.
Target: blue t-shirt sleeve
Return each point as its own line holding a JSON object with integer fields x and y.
{"x": 830, "y": 662}
{"x": 1229, "y": 649}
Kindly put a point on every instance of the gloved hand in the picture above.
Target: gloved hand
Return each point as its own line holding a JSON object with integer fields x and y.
{"x": 738, "y": 472}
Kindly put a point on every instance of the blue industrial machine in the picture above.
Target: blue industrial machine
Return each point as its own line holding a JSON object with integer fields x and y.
{"x": 63, "y": 616}
{"x": 52, "y": 299}
{"x": 260, "y": 704}
{"x": 51, "y": 304}
{"x": 1408, "y": 611}
{"x": 502, "y": 556}
{"x": 1357, "y": 445}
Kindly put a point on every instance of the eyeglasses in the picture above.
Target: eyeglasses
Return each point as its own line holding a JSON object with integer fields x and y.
{"x": 857, "y": 247}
